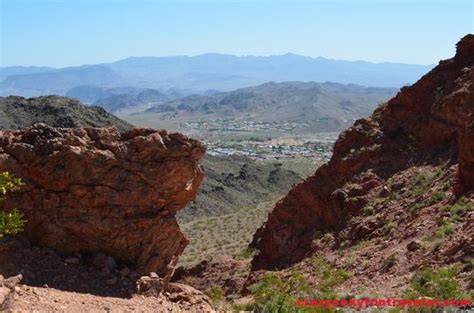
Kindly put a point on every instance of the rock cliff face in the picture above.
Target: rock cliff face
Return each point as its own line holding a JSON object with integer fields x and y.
{"x": 427, "y": 123}
{"x": 97, "y": 189}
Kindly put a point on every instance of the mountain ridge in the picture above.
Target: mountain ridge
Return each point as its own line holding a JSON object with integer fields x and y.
{"x": 207, "y": 71}
{"x": 313, "y": 102}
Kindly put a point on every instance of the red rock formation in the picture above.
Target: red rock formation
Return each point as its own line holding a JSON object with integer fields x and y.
{"x": 96, "y": 189}
{"x": 426, "y": 122}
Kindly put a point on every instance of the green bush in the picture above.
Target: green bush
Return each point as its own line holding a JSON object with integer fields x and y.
{"x": 436, "y": 197}
{"x": 274, "y": 294}
{"x": 216, "y": 294}
{"x": 247, "y": 253}
{"x": 436, "y": 284}
{"x": 459, "y": 209}
{"x": 10, "y": 222}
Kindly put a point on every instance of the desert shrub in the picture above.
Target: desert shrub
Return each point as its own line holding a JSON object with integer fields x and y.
{"x": 445, "y": 229}
{"x": 436, "y": 245}
{"x": 436, "y": 284}
{"x": 389, "y": 262}
{"x": 247, "y": 253}
{"x": 328, "y": 276}
{"x": 328, "y": 237}
{"x": 446, "y": 186}
{"x": 425, "y": 179}
{"x": 248, "y": 307}
{"x": 457, "y": 214}
{"x": 417, "y": 206}
{"x": 368, "y": 210}
{"x": 216, "y": 294}
{"x": 392, "y": 196}
{"x": 10, "y": 222}
{"x": 387, "y": 229}
{"x": 324, "y": 234}
{"x": 459, "y": 209}
{"x": 274, "y": 294}
{"x": 343, "y": 244}
{"x": 436, "y": 197}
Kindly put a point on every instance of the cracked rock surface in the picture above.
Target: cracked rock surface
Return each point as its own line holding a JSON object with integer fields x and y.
{"x": 98, "y": 189}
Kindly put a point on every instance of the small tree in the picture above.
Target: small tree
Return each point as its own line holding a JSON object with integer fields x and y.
{"x": 10, "y": 222}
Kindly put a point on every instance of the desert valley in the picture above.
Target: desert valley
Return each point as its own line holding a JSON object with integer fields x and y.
{"x": 223, "y": 183}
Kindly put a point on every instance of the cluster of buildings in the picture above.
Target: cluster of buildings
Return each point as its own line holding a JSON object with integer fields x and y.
{"x": 265, "y": 150}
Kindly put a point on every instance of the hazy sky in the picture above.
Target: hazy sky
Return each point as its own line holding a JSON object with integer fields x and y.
{"x": 74, "y": 32}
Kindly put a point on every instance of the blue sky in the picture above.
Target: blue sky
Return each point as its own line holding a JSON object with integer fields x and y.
{"x": 74, "y": 32}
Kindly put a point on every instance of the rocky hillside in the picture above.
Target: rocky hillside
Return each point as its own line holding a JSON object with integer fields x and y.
{"x": 235, "y": 182}
{"x": 55, "y": 111}
{"x": 98, "y": 189}
{"x": 286, "y": 101}
{"x": 404, "y": 174}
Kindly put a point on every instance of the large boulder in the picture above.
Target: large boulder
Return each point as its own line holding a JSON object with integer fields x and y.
{"x": 98, "y": 189}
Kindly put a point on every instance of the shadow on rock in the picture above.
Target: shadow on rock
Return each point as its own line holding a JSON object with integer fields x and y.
{"x": 96, "y": 274}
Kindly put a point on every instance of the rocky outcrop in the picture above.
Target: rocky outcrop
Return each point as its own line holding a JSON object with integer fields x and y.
{"x": 427, "y": 123}
{"x": 18, "y": 112}
{"x": 98, "y": 189}
{"x": 7, "y": 291}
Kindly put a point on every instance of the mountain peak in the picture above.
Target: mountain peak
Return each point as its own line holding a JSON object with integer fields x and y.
{"x": 465, "y": 48}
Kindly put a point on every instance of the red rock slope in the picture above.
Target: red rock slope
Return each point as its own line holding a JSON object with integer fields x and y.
{"x": 428, "y": 123}
{"x": 96, "y": 189}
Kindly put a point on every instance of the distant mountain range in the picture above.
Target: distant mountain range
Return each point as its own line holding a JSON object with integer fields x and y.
{"x": 204, "y": 72}
{"x": 289, "y": 101}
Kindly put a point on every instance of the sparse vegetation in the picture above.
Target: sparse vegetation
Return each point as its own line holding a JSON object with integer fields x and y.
{"x": 457, "y": 212}
{"x": 226, "y": 234}
{"x": 443, "y": 230}
{"x": 392, "y": 196}
{"x": 247, "y": 253}
{"x": 328, "y": 237}
{"x": 459, "y": 209}
{"x": 343, "y": 244}
{"x": 274, "y": 294}
{"x": 328, "y": 276}
{"x": 389, "y": 263}
{"x": 436, "y": 284}
{"x": 436, "y": 197}
{"x": 437, "y": 243}
{"x": 321, "y": 234}
{"x": 425, "y": 179}
{"x": 368, "y": 210}
{"x": 417, "y": 206}
{"x": 216, "y": 294}
{"x": 387, "y": 229}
